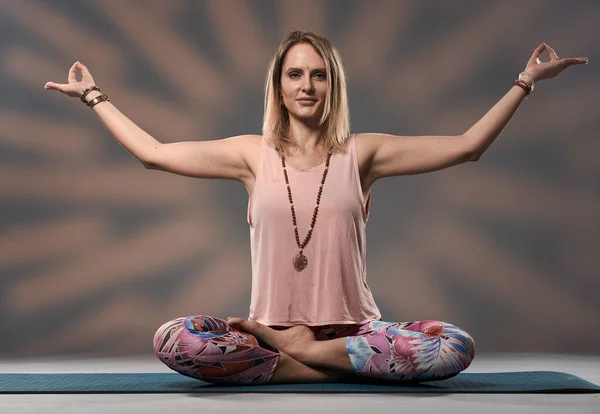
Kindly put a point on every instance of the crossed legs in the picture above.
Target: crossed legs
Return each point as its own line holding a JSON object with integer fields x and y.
{"x": 290, "y": 370}
{"x": 247, "y": 352}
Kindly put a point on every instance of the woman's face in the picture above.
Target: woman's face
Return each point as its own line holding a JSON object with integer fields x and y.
{"x": 304, "y": 82}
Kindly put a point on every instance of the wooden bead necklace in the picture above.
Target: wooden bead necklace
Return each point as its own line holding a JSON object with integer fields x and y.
{"x": 300, "y": 261}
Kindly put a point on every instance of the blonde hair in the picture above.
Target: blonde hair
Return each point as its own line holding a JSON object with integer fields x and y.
{"x": 335, "y": 121}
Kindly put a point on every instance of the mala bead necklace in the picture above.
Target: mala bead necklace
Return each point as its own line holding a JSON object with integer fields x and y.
{"x": 300, "y": 261}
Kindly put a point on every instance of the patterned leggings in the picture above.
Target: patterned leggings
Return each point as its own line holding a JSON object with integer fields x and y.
{"x": 206, "y": 348}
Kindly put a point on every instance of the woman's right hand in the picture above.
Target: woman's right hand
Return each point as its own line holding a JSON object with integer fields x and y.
{"x": 74, "y": 88}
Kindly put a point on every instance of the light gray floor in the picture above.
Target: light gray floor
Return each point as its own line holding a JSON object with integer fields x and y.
{"x": 587, "y": 368}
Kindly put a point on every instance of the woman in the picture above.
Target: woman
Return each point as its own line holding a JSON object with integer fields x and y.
{"x": 312, "y": 315}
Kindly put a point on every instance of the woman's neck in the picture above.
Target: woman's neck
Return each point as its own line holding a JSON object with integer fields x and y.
{"x": 306, "y": 137}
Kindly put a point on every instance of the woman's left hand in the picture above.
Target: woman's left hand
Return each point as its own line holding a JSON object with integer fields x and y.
{"x": 546, "y": 70}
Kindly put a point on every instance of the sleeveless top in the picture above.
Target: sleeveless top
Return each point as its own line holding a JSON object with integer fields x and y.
{"x": 332, "y": 289}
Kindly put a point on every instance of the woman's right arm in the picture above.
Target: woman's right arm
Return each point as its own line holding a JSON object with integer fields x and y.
{"x": 202, "y": 159}
{"x": 224, "y": 158}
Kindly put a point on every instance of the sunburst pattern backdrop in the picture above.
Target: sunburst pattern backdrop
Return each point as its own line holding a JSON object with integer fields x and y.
{"x": 96, "y": 252}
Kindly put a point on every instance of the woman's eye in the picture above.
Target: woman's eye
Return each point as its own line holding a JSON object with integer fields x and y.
{"x": 296, "y": 75}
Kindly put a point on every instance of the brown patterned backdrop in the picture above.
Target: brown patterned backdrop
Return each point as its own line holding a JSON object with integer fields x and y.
{"x": 96, "y": 252}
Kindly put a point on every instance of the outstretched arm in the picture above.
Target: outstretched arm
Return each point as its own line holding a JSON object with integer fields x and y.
{"x": 224, "y": 158}
{"x": 390, "y": 155}
{"x": 481, "y": 135}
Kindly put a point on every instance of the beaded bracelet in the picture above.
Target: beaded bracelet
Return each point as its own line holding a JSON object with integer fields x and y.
{"x": 97, "y": 100}
{"x": 530, "y": 76}
{"x": 526, "y": 87}
{"x": 88, "y": 90}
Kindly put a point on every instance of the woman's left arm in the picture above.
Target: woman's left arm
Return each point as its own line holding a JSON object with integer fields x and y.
{"x": 390, "y": 155}
{"x": 481, "y": 135}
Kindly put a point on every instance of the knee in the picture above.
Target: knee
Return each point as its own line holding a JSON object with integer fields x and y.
{"x": 465, "y": 345}
{"x": 182, "y": 331}
{"x": 460, "y": 342}
{"x": 457, "y": 340}
{"x": 166, "y": 336}
{"x": 206, "y": 348}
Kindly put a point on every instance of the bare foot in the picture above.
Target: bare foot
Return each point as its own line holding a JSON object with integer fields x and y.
{"x": 300, "y": 344}
{"x": 291, "y": 341}
{"x": 434, "y": 330}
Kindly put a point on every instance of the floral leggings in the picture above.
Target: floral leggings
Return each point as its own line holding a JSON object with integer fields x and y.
{"x": 206, "y": 348}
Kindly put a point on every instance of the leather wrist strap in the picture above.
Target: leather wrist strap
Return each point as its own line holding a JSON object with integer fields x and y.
{"x": 88, "y": 90}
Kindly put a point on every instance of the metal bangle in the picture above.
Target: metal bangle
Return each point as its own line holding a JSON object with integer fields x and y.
{"x": 88, "y": 90}
{"x": 97, "y": 100}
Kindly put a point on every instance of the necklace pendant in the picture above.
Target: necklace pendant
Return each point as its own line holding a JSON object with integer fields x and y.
{"x": 300, "y": 261}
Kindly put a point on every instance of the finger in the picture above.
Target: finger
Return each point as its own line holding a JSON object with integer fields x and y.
{"x": 536, "y": 54}
{"x": 551, "y": 52}
{"x": 72, "y": 73}
{"x": 84, "y": 69}
{"x": 574, "y": 61}
{"x": 53, "y": 85}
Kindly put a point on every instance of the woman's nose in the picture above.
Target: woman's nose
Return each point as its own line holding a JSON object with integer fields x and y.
{"x": 307, "y": 86}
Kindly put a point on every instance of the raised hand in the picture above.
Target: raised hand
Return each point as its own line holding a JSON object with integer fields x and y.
{"x": 74, "y": 88}
{"x": 546, "y": 70}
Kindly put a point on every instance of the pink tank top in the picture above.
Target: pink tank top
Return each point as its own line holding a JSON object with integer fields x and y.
{"x": 332, "y": 289}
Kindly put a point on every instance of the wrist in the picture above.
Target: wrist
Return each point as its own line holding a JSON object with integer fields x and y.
{"x": 528, "y": 78}
{"x": 84, "y": 96}
{"x": 92, "y": 95}
{"x": 525, "y": 81}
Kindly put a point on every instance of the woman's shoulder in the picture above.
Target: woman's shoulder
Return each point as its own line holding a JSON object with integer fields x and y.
{"x": 250, "y": 139}
{"x": 247, "y": 143}
{"x": 366, "y": 143}
{"x": 365, "y": 148}
{"x": 250, "y": 148}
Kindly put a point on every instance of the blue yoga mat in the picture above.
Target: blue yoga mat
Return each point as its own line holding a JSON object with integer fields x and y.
{"x": 149, "y": 383}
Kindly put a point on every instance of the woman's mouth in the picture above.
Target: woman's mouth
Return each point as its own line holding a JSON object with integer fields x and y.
{"x": 307, "y": 101}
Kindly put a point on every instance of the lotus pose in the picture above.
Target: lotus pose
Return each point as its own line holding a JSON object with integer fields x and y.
{"x": 312, "y": 315}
